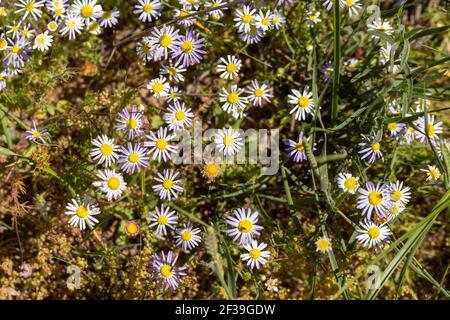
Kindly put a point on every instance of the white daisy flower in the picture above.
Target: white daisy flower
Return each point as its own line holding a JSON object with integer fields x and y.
{"x": 159, "y": 146}
{"x": 88, "y": 10}
{"x": 395, "y": 211}
{"x": 73, "y": 25}
{"x": 162, "y": 218}
{"x": 258, "y": 93}
{"x": 175, "y": 94}
{"x": 33, "y": 134}
{"x": 217, "y": 13}
{"x": 244, "y": 225}
{"x": 432, "y": 129}
{"x": 43, "y": 41}
{"x": 159, "y": 87}
{"x": 188, "y": 237}
{"x": 353, "y": 7}
{"x": 408, "y": 135}
{"x": 178, "y": 116}
{"x": 148, "y": 10}
{"x": 395, "y": 129}
{"x": 351, "y": 64}
{"x": 296, "y": 149}
{"x": 278, "y": 20}
{"x": 26, "y": 31}
{"x": 181, "y": 13}
{"x": 347, "y": 182}
{"x": 130, "y": 122}
{"x": 163, "y": 39}
{"x": 399, "y": 193}
{"x": 104, "y": 150}
{"x": 30, "y": 7}
{"x": 312, "y": 18}
{"x": 109, "y": 18}
{"x": 228, "y": 141}
{"x": 14, "y": 29}
{"x": 83, "y": 212}
{"x": 371, "y": 234}
{"x": 254, "y": 35}
{"x": 190, "y": 4}
{"x": 323, "y": 244}
{"x": 256, "y": 255}
{"x": 433, "y": 173}
{"x": 374, "y": 198}
{"x": 381, "y": 26}
{"x": 229, "y": 67}
{"x": 371, "y": 149}
{"x": 244, "y": 18}
{"x": 234, "y": 102}
{"x": 133, "y": 158}
{"x": 57, "y": 8}
{"x": 174, "y": 71}
{"x": 94, "y": 28}
{"x": 168, "y": 187}
{"x": 303, "y": 102}
{"x": 263, "y": 20}
{"x": 111, "y": 183}
{"x": 147, "y": 51}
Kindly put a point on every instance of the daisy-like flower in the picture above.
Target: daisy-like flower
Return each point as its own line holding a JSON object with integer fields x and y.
{"x": 296, "y": 149}
{"x": 228, "y": 141}
{"x": 147, "y": 51}
{"x": 3, "y": 12}
{"x": 216, "y": 13}
{"x": 88, "y": 10}
{"x": 277, "y": 20}
{"x": 3, "y": 43}
{"x": 174, "y": 71}
{"x": 182, "y": 13}
{"x": 399, "y": 193}
{"x": 164, "y": 39}
{"x": 433, "y": 173}
{"x": 263, "y": 20}
{"x": 256, "y": 255}
{"x": 83, "y": 212}
{"x": 234, "y": 102}
{"x": 175, "y": 94}
{"x": 132, "y": 228}
{"x": 303, "y": 103}
{"x": 18, "y": 53}
{"x": 395, "y": 129}
{"x": 374, "y": 198}
{"x": 190, "y": 4}
{"x": 165, "y": 271}
{"x": 178, "y": 116}
{"x": 26, "y": 31}
{"x": 43, "y": 41}
{"x": 133, "y": 158}
{"x": 109, "y": 18}
{"x": 328, "y": 71}
{"x": 257, "y": 93}
{"x": 14, "y": 29}
{"x": 353, "y": 7}
{"x": 395, "y": 211}
{"x": 188, "y": 49}
{"x": 244, "y": 225}
{"x": 94, "y": 28}
{"x": 381, "y": 26}
{"x": 57, "y": 8}
{"x": 188, "y": 237}
{"x": 162, "y": 218}
{"x": 229, "y": 67}
{"x": 30, "y": 7}
{"x": 312, "y": 18}
{"x": 111, "y": 183}
{"x": 323, "y": 244}
{"x": 244, "y": 18}
{"x": 211, "y": 170}
{"x": 130, "y": 122}
{"x": 328, "y": 4}
{"x": 104, "y": 150}
{"x": 159, "y": 144}
{"x": 351, "y": 64}
{"x": 408, "y": 134}
{"x": 371, "y": 234}
{"x": 52, "y": 26}
{"x": 148, "y": 10}
{"x": 167, "y": 187}
{"x": 370, "y": 149}
{"x": 428, "y": 129}
{"x": 33, "y": 134}
{"x": 159, "y": 87}
{"x": 73, "y": 24}
{"x": 254, "y": 35}
{"x": 347, "y": 182}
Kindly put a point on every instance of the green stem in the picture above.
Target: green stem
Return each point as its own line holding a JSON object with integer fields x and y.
{"x": 336, "y": 63}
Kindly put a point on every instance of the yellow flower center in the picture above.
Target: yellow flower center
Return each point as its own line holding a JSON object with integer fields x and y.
{"x": 434, "y": 173}
{"x": 165, "y": 40}
{"x": 40, "y": 40}
{"x": 392, "y": 126}
{"x": 3, "y": 43}
{"x": 166, "y": 270}
{"x": 228, "y": 140}
{"x": 15, "y": 49}
{"x": 82, "y": 212}
{"x": 376, "y": 146}
{"x": 107, "y": 15}
{"x": 113, "y": 183}
{"x": 259, "y": 93}
{"x": 157, "y": 87}
{"x": 161, "y": 144}
{"x": 37, "y": 134}
{"x": 349, "y": 3}
{"x": 431, "y": 129}
{"x": 58, "y": 12}
{"x": 180, "y": 115}
{"x": 374, "y": 232}
{"x": 375, "y": 198}
{"x": 312, "y": 18}
{"x": 396, "y": 195}
{"x": 323, "y": 244}
{"x": 381, "y": 28}
{"x": 25, "y": 32}
{"x": 245, "y": 226}
{"x": 132, "y": 123}
{"x": 148, "y": 8}
{"x": 246, "y": 18}
{"x": 106, "y": 149}
{"x": 133, "y": 157}
{"x": 303, "y": 101}
{"x": 52, "y": 26}
{"x": 299, "y": 146}
{"x": 29, "y": 7}
{"x": 231, "y": 68}
{"x": 71, "y": 24}
{"x": 233, "y": 98}
{"x": 186, "y": 235}
{"x": 255, "y": 253}
{"x": 132, "y": 228}
{"x": 395, "y": 210}
{"x": 162, "y": 220}
{"x": 87, "y": 11}
{"x": 265, "y": 22}
{"x": 15, "y": 28}
{"x": 350, "y": 183}
{"x": 212, "y": 170}
{"x": 187, "y": 46}
{"x": 167, "y": 184}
